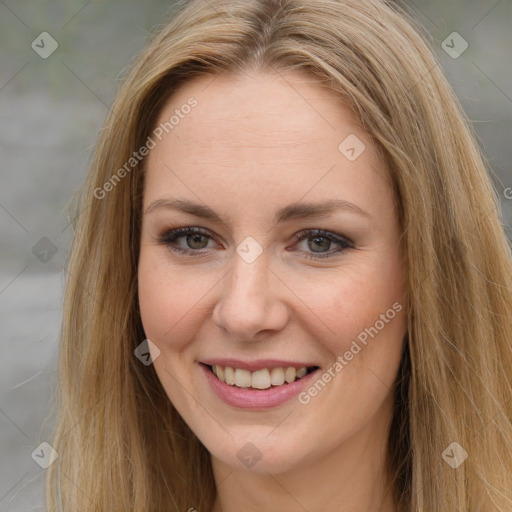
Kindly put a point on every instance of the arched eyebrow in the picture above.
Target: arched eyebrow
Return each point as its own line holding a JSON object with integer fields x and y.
{"x": 294, "y": 211}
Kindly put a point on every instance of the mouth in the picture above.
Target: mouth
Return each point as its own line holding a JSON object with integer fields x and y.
{"x": 260, "y": 379}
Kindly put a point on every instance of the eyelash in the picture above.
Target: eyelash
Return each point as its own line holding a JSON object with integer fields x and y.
{"x": 167, "y": 238}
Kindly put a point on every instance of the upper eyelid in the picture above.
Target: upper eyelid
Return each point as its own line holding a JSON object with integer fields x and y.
{"x": 309, "y": 232}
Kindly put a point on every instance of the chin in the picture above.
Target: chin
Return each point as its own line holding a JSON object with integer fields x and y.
{"x": 259, "y": 453}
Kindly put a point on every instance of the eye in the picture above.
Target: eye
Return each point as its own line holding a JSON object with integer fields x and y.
{"x": 196, "y": 239}
{"x": 321, "y": 239}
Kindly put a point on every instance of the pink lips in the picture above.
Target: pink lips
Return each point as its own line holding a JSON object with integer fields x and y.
{"x": 248, "y": 398}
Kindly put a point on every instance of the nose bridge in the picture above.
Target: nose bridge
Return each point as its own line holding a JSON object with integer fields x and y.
{"x": 250, "y": 275}
{"x": 248, "y": 304}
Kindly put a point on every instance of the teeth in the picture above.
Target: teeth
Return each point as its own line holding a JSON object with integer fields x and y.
{"x": 301, "y": 372}
{"x": 277, "y": 376}
{"x": 242, "y": 378}
{"x": 229, "y": 375}
{"x": 290, "y": 374}
{"x": 260, "y": 379}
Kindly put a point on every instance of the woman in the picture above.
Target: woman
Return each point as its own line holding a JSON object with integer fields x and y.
{"x": 214, "y": 356}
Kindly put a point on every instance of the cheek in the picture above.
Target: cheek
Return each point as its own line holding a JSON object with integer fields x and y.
{"x": 362, "y": 328}
{"x": 167, "y": 301}
{"x": 342, "y": 306}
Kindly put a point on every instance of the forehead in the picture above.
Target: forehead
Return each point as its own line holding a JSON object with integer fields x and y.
{"x": 292, "y": 106}
{"x": 255, "y": 137}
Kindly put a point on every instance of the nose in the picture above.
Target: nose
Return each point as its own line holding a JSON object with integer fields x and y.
{"x": 250, "y": 302}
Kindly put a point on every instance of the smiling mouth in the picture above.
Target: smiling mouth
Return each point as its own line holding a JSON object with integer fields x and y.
{"x": 261, "y": 379}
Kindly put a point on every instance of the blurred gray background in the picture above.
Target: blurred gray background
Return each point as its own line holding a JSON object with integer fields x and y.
{"x": 51, "y": 110}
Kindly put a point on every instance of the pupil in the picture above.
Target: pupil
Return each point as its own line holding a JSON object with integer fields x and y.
{"x": 195, "y": 239}
{"x": 326, "y": 241}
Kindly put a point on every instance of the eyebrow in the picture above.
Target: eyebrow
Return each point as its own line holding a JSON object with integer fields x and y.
{"x": 293, "y": 211}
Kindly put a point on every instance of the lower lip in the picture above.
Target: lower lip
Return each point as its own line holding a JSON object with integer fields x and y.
{"x": 249, "y": 398}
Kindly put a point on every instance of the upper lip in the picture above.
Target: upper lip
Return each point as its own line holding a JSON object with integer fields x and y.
{"x": 256, "y": 364}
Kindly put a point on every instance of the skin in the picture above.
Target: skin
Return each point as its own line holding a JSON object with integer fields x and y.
{"x": 255, "y": 143}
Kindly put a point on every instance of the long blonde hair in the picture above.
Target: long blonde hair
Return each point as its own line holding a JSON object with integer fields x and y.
{"x": 122, "y": 446}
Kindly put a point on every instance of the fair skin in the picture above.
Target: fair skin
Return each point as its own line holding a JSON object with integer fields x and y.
{"x": 255, "y": 143}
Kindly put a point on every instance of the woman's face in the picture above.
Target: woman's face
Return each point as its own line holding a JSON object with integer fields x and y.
{"x": 251, "y": 162}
